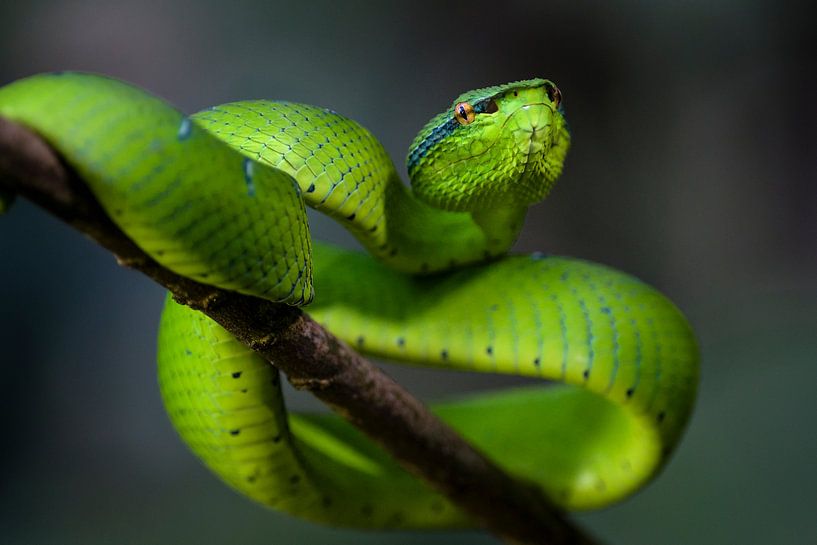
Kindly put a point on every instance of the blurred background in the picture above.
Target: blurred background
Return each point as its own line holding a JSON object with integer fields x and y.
{"x": 693, "y": 167}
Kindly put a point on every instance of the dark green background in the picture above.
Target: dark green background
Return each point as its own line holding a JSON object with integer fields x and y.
{"x": 693, "y": 167}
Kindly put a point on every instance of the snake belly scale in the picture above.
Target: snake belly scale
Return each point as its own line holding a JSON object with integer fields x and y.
{"x": 220, "y": 197}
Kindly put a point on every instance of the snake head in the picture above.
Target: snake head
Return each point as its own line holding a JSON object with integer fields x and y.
{"x": 498, "y": 146}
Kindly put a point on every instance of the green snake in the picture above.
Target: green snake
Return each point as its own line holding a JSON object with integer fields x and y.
{"x": 220, "y": 197}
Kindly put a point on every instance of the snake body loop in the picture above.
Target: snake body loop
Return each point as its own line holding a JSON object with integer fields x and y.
{"x": 220, "y": 197}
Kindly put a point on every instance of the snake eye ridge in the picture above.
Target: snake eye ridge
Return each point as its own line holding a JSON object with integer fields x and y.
{"x": 554, "y": 94}
{"x": 464, "y": 113}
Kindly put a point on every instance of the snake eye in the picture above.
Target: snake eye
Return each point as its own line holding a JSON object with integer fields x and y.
{"x": 554, "y": 94}
{"x": 464, "y": 113}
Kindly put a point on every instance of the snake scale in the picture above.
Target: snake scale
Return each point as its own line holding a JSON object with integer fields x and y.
{"x": 220, "y": 197}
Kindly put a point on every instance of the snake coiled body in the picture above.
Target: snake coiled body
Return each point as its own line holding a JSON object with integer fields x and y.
{"x": 220, "y": 197}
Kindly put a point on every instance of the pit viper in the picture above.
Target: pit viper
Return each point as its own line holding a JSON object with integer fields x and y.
{"x": 220, "y": 196}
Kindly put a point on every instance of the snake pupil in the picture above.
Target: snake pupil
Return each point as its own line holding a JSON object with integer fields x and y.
{"x": 464, "y": 113}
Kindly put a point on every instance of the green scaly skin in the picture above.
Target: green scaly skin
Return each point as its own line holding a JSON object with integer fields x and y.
{"x": 219, "y": 198}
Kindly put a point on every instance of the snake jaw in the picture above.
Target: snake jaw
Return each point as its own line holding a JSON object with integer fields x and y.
{"x": 535, "y": 137}
{"x": 532, "y": 130}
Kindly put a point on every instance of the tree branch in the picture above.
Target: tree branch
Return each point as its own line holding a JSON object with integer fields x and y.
{"x": 311, "y": 358}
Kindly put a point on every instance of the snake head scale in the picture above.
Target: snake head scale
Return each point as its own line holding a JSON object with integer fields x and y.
{"x": 497, "y": 146}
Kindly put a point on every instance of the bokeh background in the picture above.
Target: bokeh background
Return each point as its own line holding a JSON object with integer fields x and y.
{"x": 693, "y": 167}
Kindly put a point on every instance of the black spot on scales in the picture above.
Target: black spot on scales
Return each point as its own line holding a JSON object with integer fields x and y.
{"x": 444, "y": 354}
{"x": 661, "y": 416}
{"x": 237, "y": 374}
{"x": 311, "y": 188}
{"x": 360, "y": 340}
{"x": 489, "y": 350}
{"x": 276, "y": 439}
{"x": 630, "y": 392}
{"x": 235, "y": 432}
{"x": 586, "y": 374}
{"x": 351, "y": 216}
{"x": 401, "y": 342}
{"x": 537, "y": 362}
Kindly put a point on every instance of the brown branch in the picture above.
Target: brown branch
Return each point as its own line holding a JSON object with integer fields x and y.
{"x": 310, "y": 356}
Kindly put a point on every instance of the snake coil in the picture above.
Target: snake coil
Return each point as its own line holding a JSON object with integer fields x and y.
{"x": 220, "y": 197}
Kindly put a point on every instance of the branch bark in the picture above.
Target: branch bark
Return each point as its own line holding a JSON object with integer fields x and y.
{"x": 311, "y": 358}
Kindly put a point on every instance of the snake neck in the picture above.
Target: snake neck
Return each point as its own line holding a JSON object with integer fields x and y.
{"x": 422, "y": 239}
{"x": 345, "y": 173}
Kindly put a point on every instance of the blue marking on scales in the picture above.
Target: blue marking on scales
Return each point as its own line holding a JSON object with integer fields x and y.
{"x": 185, "y": 129}
{"x": 440, "y": 132}
{"x": 249, "y": 167}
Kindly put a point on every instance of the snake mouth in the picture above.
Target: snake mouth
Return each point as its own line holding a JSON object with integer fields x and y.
{"x": 538, "y": 116}
{"x": 535, "y": 127}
